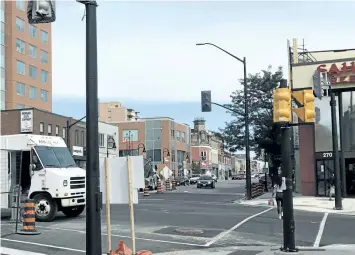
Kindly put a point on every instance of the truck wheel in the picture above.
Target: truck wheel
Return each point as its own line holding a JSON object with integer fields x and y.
{"x": 46, "y": 207}
{"x": 73, "y": 211}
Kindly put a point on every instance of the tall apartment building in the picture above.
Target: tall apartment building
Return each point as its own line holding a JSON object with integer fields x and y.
{"x": 114, "y": 112}
{"x": 26, "y": 59}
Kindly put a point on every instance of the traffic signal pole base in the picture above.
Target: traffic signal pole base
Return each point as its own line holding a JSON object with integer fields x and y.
{"x": 338, "y": 208}
{"x": 294, "y": 252}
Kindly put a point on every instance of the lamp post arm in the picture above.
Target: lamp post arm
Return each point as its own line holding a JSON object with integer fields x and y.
{"x": 69, "y": 126}
{"x": 229, "y": 109}
{"x": 230, "y": 54}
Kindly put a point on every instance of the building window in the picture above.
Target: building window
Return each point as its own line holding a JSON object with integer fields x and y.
{"x": 130, "y": 135}
{"x": 182, "y": 137}
{"x": 83, "y": 138}
{"x": 44, "y": 76}
{"x": 20, "y": 24}
{"x": 32, "y": 51}
{"x": 44, "y": 95}
{"x": 44, "y": 36}
{"x": 172, "y": 134}
{"x": 20, "y": 4}
{"x": 20, "y": 67}
{"x": 33, "y": 92}
{"x": 56, "y": 130}
{"x": 41, "y": 127}
{"x": 177, "y": 136}
{"x": 157, "y": 155}
{"x": 20, "y": 46}
{"x": 44, "y": 56}
{"x": 32, "y": 30}
{"x": 20, "y": 89}
{"x": 64, "y": 130}
{"x": 33, "y": 72}
{"x": 2, "y": 38}
{"x": 76, "y": 137}
{"x": 203, "y": 155}
{"x": 49, "y": 129}
{"x": 20, "y": 106}
{"x": 101, "y": 140}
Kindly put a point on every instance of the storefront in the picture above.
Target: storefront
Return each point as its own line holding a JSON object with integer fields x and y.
{"x": 315, "y": 161}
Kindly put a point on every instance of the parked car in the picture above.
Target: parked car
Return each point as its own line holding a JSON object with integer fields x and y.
{"x": 206, "y": 181}
{"x": 237, "y": 177}
{"x": 214, "y": 177}
{"x": 194, "y": 178}
{"x": 182, "y": 180}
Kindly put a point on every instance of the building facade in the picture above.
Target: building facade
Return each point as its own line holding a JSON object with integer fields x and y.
{"x": 26, "y": 57}
{"x": 115, "y": 112}
{"x": 313, "y": 143}
{"x": 165, "y": 141}
{"x": 39, "y": 122}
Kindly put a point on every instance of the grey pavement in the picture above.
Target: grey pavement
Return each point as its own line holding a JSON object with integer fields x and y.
{"x": 223, "y": 224}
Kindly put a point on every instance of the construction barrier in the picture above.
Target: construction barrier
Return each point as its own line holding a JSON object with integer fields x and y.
{"x": 167, "y": 185}
{"x": 146, "y": 192}
{"x": 173, "y": 185}
{"x": 29, "y": 219}
{"x": 124, "y": 250}
{"x": 159, "y": 188}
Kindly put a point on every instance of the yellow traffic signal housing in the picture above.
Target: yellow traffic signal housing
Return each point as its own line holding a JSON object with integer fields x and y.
{"x": 305, "y": 97}
{"x": 282, "y": 105}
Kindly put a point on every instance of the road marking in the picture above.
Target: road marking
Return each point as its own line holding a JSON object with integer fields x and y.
{"x": 224, "y": 233}
{"x": 153, "y": 199}
{"x": 122, "y": 236}
{"x": 320, "y": 231}
{"x": 43, "y": 245}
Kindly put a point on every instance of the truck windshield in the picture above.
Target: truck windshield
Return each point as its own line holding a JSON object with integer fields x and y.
{"x": 58, "y": 157}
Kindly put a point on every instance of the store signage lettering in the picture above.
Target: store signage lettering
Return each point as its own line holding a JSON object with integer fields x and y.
{"x": 339, "y": 73}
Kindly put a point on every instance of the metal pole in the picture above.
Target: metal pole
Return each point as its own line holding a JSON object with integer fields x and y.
{"x": 247, "y": 149}
{"x": 338, "y": 202}
{"x": 94, "y": 196}
{"x": 68, "y": 134}
{"x": 288, "y": 217}
{"x": 341, "y": 133}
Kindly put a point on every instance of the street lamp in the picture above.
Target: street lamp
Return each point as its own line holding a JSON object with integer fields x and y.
{"x": 141, "y": 146}
{"x": 246, "y": 116}
{"x": 167, "y": 154}
{"x": 110, "y": 144}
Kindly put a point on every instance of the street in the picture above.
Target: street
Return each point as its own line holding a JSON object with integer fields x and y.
{"x": 188, "y": 218}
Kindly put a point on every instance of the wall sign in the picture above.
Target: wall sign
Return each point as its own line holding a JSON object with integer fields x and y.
{"x": 78, "y": 151}
{"x": 26, "y": 119}
{"x": 324, "y": 155}
{"x": 339, "y": 73}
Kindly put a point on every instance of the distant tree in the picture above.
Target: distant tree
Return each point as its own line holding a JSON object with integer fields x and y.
{"x": 263, "y": 133}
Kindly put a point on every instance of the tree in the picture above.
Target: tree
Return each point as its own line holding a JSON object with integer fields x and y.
{"x": 263, "y": 133}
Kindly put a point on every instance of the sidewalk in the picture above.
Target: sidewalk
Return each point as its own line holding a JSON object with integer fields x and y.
{"x": 306, "y": 203}
{"x": 257, "y": 250}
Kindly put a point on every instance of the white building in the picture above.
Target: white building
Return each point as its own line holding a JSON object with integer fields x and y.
{"x": 107, "y": 133}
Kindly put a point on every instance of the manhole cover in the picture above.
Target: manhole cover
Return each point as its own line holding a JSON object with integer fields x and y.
{"x": 189, "y": 231}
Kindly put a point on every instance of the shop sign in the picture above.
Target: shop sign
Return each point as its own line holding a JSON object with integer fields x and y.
{"x": 78, "y": 151}
{"x": 339, "y": 73}
{"x": 26, "y": 121}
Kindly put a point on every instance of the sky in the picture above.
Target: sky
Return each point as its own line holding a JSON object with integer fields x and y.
{"x": 149, "y": 61}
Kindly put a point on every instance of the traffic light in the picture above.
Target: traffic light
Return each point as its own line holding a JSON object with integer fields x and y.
{"x": 40, "y": 11}
{"x": 206, "y": 103}
{"x": 305, "y": 98}
{"x": 282, "y": 105}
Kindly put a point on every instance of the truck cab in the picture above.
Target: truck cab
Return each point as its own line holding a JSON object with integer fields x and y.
{"x": 45, "y": 170}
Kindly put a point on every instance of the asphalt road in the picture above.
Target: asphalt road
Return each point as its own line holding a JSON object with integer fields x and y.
{"x": 160, "y": 218}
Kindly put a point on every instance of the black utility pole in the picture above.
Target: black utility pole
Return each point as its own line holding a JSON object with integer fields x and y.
{"x": 246, "y": 118}
{"x": 341, "y": 134}
{"x": 288, "y": 217}
{"x": 93, "y": 194}
{"x": 338, "y": 200}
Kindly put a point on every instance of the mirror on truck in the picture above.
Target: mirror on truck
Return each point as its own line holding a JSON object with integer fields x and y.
{"x": 32, "y": 168}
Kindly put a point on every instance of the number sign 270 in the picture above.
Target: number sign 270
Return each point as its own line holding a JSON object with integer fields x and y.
{"x": 327, "y": 154}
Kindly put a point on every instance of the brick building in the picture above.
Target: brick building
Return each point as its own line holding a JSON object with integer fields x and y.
{"x": 159, "y": 136}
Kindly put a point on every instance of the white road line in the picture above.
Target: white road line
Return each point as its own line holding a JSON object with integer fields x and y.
{"x": 224, "y": 233}
{"x": 43, "y": 245}
{"x": 122, "y": 236}
{"x": 320, "y": 231}
{"x": 5, "y": 250}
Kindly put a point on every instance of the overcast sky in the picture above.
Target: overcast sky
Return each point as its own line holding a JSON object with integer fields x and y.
{"x": 147, "y": 51}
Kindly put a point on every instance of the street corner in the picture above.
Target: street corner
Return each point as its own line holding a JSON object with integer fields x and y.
{"x": 253, "y": 202}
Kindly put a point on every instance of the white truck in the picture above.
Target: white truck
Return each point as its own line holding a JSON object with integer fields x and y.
{"x": 45, "y": 170}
